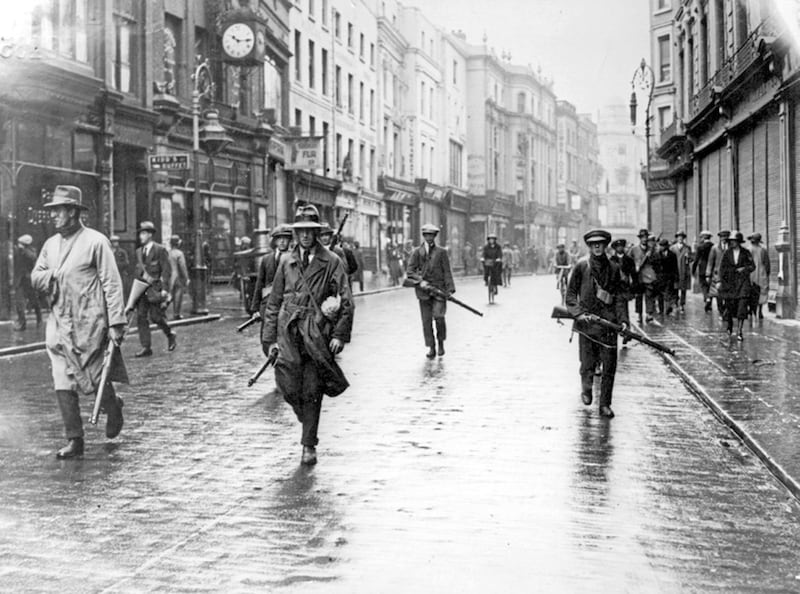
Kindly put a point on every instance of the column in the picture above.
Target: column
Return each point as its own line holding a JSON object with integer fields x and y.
{"x": 785, "y": 300}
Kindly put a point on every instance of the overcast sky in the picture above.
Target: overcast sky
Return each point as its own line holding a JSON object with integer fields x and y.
{"x": 590, "y": 48}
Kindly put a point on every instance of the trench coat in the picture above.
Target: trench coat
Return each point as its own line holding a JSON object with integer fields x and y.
{"x": 684, "y": 255}
{"x": 288, "y": 305}
{"x": 733, "y": 284}
{"x": 80, "y": 275}
{"x": 760, "y": 276}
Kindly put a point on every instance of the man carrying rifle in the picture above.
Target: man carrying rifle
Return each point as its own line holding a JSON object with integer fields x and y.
{"x": 430, "y": 263}
{"x": 76, "y": 268}
{"x": 596, "y": 288}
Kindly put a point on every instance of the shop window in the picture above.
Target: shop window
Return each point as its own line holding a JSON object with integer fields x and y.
{"x": 58, "y": 148}
{"x": 62, "y": 27}
{"x": 30, "y": 141}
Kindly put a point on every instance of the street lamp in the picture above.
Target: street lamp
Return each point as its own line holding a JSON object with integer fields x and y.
{"x": 644, "y": 79}
{"x": 211, "y": 135}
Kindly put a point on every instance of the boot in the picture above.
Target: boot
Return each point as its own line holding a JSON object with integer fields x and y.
{"x": 172, "y": 341}
{"x": 586, "y": 390}
{"x": 431, "y": 354}
{"x": 73, "y": 449}
{"x": 114, "y": 419}
{"x": 441, "y": 348}
{"x": 606, "y": 412}
{"x": 309, "y": 457}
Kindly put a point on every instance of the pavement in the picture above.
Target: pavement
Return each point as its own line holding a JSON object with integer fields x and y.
{"x": 752, "y": 386}
{"x": 480, "y": 471}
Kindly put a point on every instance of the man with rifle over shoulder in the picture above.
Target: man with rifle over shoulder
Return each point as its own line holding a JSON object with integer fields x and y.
{"x": 596, "y": 288}
{"x": 431, "y": 265}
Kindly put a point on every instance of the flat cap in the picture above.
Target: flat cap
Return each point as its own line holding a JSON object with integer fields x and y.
{"x": 597, "y": 235}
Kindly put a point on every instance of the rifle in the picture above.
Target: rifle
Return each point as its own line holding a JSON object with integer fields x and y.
{"x": 413, "y": 281}
{"x": 113, "y": 370}
{"x": 270, "y": 361}
{"x": 562, "y": 313}
{"x": 256, "y": 318}
{"x": 338, "y": 235}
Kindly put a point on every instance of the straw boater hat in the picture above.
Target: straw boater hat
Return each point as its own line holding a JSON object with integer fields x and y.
{"x": 491, "y": 236}
{"x": 307, "y": 217}
{"x": 430, "y": 228}
{"x": 597, "y": 235}
{"x": 67, "y": 196}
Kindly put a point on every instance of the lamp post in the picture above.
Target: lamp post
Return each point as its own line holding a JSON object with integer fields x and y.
{"x": 644, "y": 80}
{"x": 213, "y": 139}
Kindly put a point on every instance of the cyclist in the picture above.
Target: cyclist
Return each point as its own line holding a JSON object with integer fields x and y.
{"x": 492, "y": 259}
{"x": 562, "y": 263}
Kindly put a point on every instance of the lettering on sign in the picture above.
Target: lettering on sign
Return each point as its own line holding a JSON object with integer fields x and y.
{"x": 21, "y": 51}
{"x": 476, "y": 175}
{"x": 169, "y": 162}
{"x": 305, "y": 153}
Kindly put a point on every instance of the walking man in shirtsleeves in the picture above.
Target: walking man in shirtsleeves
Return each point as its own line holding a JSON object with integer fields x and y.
{"x": 309, "y": 317}
{"x": 76, "y": 268}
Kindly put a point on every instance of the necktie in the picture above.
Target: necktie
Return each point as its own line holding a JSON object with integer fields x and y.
{"x": 305, "y": 259}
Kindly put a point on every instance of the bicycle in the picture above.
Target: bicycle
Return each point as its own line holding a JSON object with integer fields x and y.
{"x": 562, "y": 272}
{"x": 492, "y": 286}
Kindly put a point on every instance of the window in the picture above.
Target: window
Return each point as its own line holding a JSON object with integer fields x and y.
{"x": 372, "y": 55}
{"x": 312, "y": 126}
{"x": 664, "y": 117}
{"x": 430, "y": 168}
{"x": 338, "y": 151}
{"x": 337, "y": 24}
{"x": 350, "y": 35}
{"x": 325, "y": 12}
{"x": 124, "y": 54}
{"x": 362, "y": 161}
{"x": 455, "y": 72}
{"x": 324, "y": 66}
{"x": 311, "y": 55}
{"x": 372, "y": 107}
{"x": 311, "y": 9}
{"x": 521, "y": 103}
{"x": 350, "y": 94}
{"x": 297, "y": 62}
{"x": 422, "y": 160}
{"x": 430, "y": 103}
{"x": 456, "y": 157}
{"x": 325, "y": 146}
{"x": 61, "y": 26}
{"x": 422, "y": 40}
{"x": 361, "y": 101}
{"x": 361, "y": 46}
{"x": 664, "y": 59}
{"x": 371, "y": 172}
{"x": 338, "y": 88}
{"x": 662, "y": 4}
{"x": 298, "y": 118}
{"x": 422, "y": 98}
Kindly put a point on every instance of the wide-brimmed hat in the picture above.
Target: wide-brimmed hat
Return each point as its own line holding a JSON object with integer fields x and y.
{"x": 643, "y": 233}
{"x": 664, "y": 242}
{"x": 724, "y": 234}
{"x": 67, "y": 196}
{"x": 282, "y": 230}
{"x": 680, "y": 234}
{"x": 596, "y": 236}
{"x": 755, "y": 237}
{"x": 491, "y": 236}
{"x": 737, "y": 237}
{"x": 306, "y": 217}
{"x": 147, "y": 226}
{"x": 617, "y": 242}
{"x": 325, "y": 229}
{"x": 430, "y": 228}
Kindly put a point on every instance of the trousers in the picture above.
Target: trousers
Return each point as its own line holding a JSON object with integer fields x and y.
{"x": 433, "y": 310}
{"x": 70, "y": 408}
{"x": 592, "y": 354}
{"x": 146, "y": 313}
{"x": 649, "y": 299}
{"x": 25, "y": 294}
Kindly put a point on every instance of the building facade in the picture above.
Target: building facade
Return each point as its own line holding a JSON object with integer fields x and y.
{"x": 90, "y": 105}
{"x": 732, "y": 148}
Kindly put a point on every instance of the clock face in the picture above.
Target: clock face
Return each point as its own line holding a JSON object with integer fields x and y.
{"x": 238, "y": 40}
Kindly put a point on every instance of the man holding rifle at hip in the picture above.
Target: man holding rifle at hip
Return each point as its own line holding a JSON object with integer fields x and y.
{"x": 596, "y": 288}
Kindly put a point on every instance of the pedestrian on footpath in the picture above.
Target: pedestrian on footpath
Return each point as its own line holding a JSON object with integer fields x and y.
{"x": 735, "y": 268}
{"x": 712, "y": 271}
{"x": 123, "y": 265}
{"x": 24, "y": 261}
{"x": 281, "y": 238}
{"x": 644, "y": 286}
{"x": 508, "y": 263}
{"x": 309, "y": 318}
{"x": 492, "y": 258}
{"x": 760, "y": 276}
{"x": 152, "y": 267}
{"x": 700, "y": 264}
{"x": 683, "y": 254}
{"x": 665, "y": 263}
{"x": 358, "y": 275}
{"x": 180, "y": 276}
{"x": 431, "y": 264}
{"x": 76, "y": 269}
{"x": 596, "y": 287}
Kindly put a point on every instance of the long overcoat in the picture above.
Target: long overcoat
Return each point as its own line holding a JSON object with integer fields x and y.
{"x": 80, "y": 275}
{"x": 733, "y": 284}
{"x": 684, "y": 255}
{"x": 289, "y": 308}
{"x": 760, "y": 275}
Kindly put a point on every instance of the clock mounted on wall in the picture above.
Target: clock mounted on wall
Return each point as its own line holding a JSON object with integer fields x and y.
{"x": 241, "y": 36}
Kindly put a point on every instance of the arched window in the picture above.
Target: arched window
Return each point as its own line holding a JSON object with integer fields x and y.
{"x": 521, "y": 103}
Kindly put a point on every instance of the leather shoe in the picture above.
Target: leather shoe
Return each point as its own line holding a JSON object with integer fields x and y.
{"x": 431, "y": 353}
{"x": 114, "y": 420}
{"x": 605, "y": 411}
{"x": 739, "y": 337}
{"x": 73, "y": 448}
{"x": 172, "y": 341}
{"x": 586, "y": 397}
{"x": 309, "y": 456}
{"x": 144, "y": 353}
{"x": 441, "y": 349}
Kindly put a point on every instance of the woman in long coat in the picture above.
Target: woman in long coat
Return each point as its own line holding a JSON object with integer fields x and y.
{"x": 760, "y": 275}
{"x": 734, "y": 274}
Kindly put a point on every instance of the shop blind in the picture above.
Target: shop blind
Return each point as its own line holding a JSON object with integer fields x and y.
{"x": 760, "y": 181}
{"x": 712, "y": 184}
{"x": 745, "y": 178}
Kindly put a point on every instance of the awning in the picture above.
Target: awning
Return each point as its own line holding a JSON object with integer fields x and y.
{"x": 401, "y": 197}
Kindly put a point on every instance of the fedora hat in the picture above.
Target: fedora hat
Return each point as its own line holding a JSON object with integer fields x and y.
{"x": 643, "y": 233}
{"x": 755, "y": 237}
{"x": 737, "y": 237}
{"x": 147, "y": 226}
{"x": 282, "y": 230}
{"x": 325, "y": 229}
{"x": 680, "y": 234}
{"x": 67, "y": 196}
{"x": 306, "y": 217}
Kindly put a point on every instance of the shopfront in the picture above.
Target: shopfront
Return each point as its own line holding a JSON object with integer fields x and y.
{"x": 402, "y": 207}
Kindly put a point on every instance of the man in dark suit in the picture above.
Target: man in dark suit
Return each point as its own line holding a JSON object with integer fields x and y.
{"x": 430, "y": 263}
{"x": 281, "y": 238}
{"x": 152, "y": 267}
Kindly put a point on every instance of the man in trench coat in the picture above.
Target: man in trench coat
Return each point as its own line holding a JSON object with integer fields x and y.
{"x": 309, "y": 318}
{"x": 76, "y": 268}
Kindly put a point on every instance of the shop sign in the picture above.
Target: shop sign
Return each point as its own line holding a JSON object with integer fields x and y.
{"x": 169, "y": 161}
{"x": 277, "y": 149}
{"x": 21, "y": 51}
{"x": 305, "y": 153}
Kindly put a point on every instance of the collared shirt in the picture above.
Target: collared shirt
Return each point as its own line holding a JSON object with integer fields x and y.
{"x": 311, "y": 252}
{"x": 736, "y": 255}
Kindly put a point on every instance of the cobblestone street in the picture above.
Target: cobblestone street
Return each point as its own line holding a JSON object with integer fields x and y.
{"x": 477, "y": 472}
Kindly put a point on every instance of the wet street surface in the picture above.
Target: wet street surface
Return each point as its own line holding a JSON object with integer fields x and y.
{"x": 477, "y": 472}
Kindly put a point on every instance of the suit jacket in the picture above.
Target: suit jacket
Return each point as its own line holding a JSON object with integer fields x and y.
{"x": 266, "y": 275}
{"x": 154, "y": 268}
{"x": 582, "y": 295}
{"x": 433, "y": 267}
{"x": 733, "y": 284}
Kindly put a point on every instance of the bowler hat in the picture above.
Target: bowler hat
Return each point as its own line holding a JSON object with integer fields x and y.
{"x": 620, "y": 242}
{"x": 664, "y": 242}
{"x": 306, "y": 217}
{"x": 67, "y": 196}
{"x": 430, "y": 228}
{"x": 282, "y": 230}
{"x": 755, "y": 237}
{"x": 147, "y": 226}
{"x": 596, "y": 236}
{"x": 643, "y": 233}
{"x": 737, "y": 237}
{"x": 25, "y": 239}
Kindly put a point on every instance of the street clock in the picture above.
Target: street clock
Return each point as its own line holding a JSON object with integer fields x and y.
{"x": 243, "y": 40}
